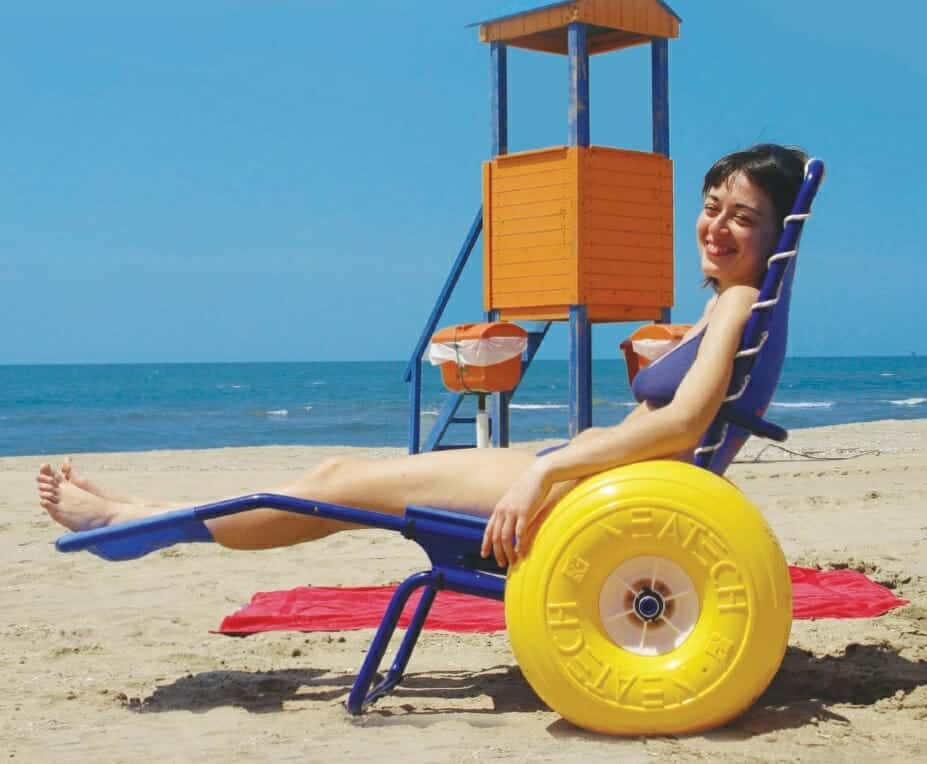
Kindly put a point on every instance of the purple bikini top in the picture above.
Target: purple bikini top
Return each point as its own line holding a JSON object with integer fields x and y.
{"x": 659, "y": 380}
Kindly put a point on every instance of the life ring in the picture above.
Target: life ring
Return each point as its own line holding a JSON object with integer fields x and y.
{"x": 655, "y": 600}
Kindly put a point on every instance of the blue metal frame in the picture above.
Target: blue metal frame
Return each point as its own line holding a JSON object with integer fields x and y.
{"x": 450, "y": 539}
{"x": 499, "y": 98}
{"x": 579, "y": 85}
{"x": 659, "y": 60}
{"x": 580, "y": 383}
{"x": 413, "y": 372}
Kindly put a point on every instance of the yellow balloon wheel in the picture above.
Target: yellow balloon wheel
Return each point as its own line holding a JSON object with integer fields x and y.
{"x": 655, "y": 600}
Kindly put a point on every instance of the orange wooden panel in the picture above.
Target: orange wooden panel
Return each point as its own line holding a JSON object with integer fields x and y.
{"x": 527, "y": 240}
{"x": 534, "y": 299}
{"x": 599, "y": 177}
{"x": 518, "y": 226}
{"x": 513, "y": 255}
{"x": 532, "y": 284}
{"x": 553, "y": 182}
{"x": 602, "y": 313}
{"x": 554, "y": 192}
{"x": 542, "y": 313}
{"x": 640, "y": 210}
{"x": 628, "y": 297}
{"x": 595, "y": 267}
{"x": 546, "y": 267}
{"x": 594, "y": 222}
{"x": 623, "y": 195}
{"x": 535, "y": 156}
{"x": 525, "y": 210}
{"x": 602, "y": 285}
{"x": 608, "y": 250}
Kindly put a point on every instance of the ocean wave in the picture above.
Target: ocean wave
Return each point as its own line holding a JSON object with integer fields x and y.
{"x": 537, "y": 406}
{"x": 907, "y": 402}
{"x": 430, "y": 412}
{"x": 307, "y": 407}
{"x": 277, "y": 412}
{"x": 887, "y": 374}
{"x": 804, "y": 405}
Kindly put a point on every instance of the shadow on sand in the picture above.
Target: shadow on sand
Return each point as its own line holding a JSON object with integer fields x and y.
{"x": 802, "y": 692}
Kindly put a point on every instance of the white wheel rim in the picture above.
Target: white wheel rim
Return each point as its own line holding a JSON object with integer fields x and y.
{"x": 649, "y": 606}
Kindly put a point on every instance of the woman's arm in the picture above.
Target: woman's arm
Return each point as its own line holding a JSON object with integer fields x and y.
{"x": 656, "y": 433}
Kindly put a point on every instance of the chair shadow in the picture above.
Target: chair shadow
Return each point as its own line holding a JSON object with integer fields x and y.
{"x": 269, "y": 691}
{"x": 802, "y": 692}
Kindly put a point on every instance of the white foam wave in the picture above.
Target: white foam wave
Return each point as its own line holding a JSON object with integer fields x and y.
{"x": 887, "y": 374}
{"x": 278, "y": 412}
{"x": 307, "y": 408}
{"x": 430, "y": 412}
{"x": 804, "y": 405}
{"x": 536, "y": 406}
{"x": 908, "y": 402}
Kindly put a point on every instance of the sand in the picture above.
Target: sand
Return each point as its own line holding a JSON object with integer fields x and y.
{"x": 115, "y": 662}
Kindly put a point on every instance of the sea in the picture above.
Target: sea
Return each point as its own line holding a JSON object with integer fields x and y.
{"x": 55, "y": 409}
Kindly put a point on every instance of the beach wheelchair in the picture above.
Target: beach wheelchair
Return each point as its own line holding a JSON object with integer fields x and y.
{"x": 655, "y": 599}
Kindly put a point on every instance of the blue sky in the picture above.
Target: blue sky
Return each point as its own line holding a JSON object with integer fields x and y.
{"x": 290, "y": 180}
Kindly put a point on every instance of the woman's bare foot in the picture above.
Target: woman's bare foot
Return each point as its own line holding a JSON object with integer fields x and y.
{"x": 77, "y": 509}
{"x": 69, "y": 473}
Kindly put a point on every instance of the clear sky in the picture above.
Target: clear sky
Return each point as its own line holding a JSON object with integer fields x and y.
{"x": 243, "y": 180}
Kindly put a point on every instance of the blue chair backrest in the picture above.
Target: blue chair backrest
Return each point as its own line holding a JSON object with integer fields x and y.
{"x": 758, "y": 363}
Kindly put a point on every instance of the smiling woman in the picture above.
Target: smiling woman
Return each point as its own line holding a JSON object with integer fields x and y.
{"x": 747, "y": 195}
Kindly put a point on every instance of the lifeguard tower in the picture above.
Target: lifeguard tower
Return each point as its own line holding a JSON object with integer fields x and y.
{"x": 576, "y": 233}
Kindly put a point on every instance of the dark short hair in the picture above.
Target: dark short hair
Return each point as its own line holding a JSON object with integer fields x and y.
{"x": 778, "y": 170}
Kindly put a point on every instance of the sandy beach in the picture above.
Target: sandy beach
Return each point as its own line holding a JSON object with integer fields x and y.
{"x": 116, "y": 662}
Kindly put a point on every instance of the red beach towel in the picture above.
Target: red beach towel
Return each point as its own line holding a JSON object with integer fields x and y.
{"x": 815, "y": 594}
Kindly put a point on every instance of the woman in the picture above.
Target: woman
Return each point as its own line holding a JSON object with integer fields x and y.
{"x": 746, "y": 198}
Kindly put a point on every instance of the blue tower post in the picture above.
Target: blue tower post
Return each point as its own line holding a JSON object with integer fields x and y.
{"x": 499, "y": 109}
{"x": 580, "y": 382}
{"x": 659, "y": 84}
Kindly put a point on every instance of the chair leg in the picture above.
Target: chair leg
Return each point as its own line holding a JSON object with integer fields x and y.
{"x": 397, "y": 670}
{"x": 359, "y": 696}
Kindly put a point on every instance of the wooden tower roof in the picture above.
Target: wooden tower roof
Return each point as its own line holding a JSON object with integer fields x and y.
{"x": 612, "y": 24}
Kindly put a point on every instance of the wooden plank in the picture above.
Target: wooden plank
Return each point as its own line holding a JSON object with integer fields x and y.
{"x": 544, "y": 155}
{"x": 515, "y": 255}
{"x": 629, "y": 265}
{"x": 506, "y": 185}
{"x": 534, "y": 300}
{"x": 595, "y": 223}
{"x": 649, "y": 246}
{"x": 642, "y": 210}
{"x": 532, "y": 284}
{"x": 627, "y": 280}
{"x": 526, "y": 269}
{"x": 619, "y": 179}
{"x": 528, "y": 166}
{"x": 518, "y": 226}
{"x": 522, "y": 210}
{"x": 620, "y": 195}
{"x": 644, "y": 297}
{"x": 622, "y": 313}
{"x": 542, "y": 313}
{"x": 517, "y": 197}
{"x": 525, "y": 240}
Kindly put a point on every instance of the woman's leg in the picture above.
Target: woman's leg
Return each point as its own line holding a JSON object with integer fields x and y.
{"x": 467, "y": 480}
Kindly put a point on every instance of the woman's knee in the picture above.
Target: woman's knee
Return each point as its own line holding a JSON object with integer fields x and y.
{"x": 327, "y": 474}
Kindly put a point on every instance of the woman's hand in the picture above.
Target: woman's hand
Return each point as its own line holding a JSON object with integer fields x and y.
{"x": 505, "y": 534}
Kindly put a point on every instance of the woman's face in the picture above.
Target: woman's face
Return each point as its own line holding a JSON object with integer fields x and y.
{"x": 736, "y": 232}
